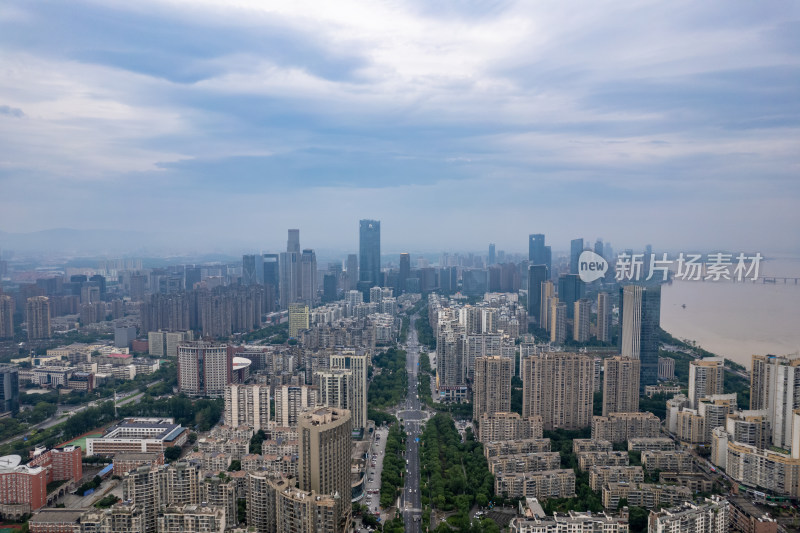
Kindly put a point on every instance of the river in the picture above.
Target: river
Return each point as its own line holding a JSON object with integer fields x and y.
{"x": 737, "y": 320}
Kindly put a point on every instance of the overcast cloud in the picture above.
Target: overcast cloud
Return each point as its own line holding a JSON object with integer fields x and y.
{"x": 455, "y": 123}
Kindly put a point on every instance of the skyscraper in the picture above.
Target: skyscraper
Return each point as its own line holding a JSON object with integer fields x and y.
{"x": 329, "y": 288}
{"x": 369, "y": 250}
{"x": 603, "y": 317}
{"x": 575, "y": 250}
{"x": 536, "y": 249}
{"x": 621, "y": 385}
{"x": 706, "y": 378}
{"x": 324, "y": 456}
{"x": 308, "y": 277}
{"x": 539, "y": 253}
{"x": 37, "y": 315}
{"x": 6, "y": 316}
{"x": 252, "y": 269}
{"x": 204, "y": 369}
{"x": 405, "y": 272}
{"x": 598, "y": 247}
{"x": 537, "y": 274}
{"x": 640, "y": 312}
{"x": 293, "y": 242}
{"x": 289, "y": 265}
{"x": 9, "y": 389}
{"x": 491, "y": 389}
{"x": 558, "y": 387}
{"x": 352, "y": 272}
{"x": 492, "y": 257}
{"x": 571, "y": 288}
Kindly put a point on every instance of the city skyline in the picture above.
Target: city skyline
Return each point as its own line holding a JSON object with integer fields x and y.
{"x": 477, "y": 117}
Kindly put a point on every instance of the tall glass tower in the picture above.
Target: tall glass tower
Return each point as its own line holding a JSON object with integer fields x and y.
{"x": 369, "y": 252}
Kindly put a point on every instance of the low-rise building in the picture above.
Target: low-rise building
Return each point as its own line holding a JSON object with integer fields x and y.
{"x": 647, "y": 495}
{"x": 23, "y": 489}
{"x": 570, "y": 522}
{"x": 127, "y": 461}
{"x": 493, "y": 449}
{"x": 600, "y": 475}
{"x": 620, "y": 427}
{"x": 713, "y": 516}
{"x": 149, "y": 435}
{"x": 748, "y": 518}
{"x": 668, "y": 461}
{"x": 696, "y": 481}
{"x": 542, "y": 485}
{"x": 652, "y": 443}
{"x": 56, "y": 521}
{"x": 508, "y": 426}
{"x": 588, "y": 459}
{"x": 530, "y": 462}
{"x": 591, "y": 445}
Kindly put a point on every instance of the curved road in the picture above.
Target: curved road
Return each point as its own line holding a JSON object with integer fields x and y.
{"x": 413, "y": 417}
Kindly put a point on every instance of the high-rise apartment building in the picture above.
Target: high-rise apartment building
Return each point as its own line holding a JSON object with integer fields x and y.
{"x": 575, "y": 251}
{"x": 204, "y": 369}
{"x": 775, "y": 386}
{"x": 705, "y": 378}
{"x": 582, "y": 320}
{"x": 491, "y": 388}
{"x": 492, "y": 259}
{"x": 537, "y": 274}
{"x": 603, "y": 317}
{"x": 308, "y": 277}
{"x": 640, "y": 313}
{"x": 247, "y": 405}
{"x": 324, "y": 456}
{"x": 141, "y": 488}
{"x": 298, "y": 318}
{"x": 6, "y": 316}
{"x": 336, "y": 389}
{"x": 621, "y": 385}
{"x": 558, "y": 321}
{"x": 290, "y": 401}
{"x": 37, "y": 315}
{"x": 369, "y": 252}
{"x": 357, "y": 365}
{"x": 558, "y": 387}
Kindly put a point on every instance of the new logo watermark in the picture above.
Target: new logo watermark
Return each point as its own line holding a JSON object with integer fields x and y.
{"x": 591, "y": 266}
{"x": 687, "y": 267}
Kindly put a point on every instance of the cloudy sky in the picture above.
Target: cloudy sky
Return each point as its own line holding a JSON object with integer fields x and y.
{"x": 219, "y": 123}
